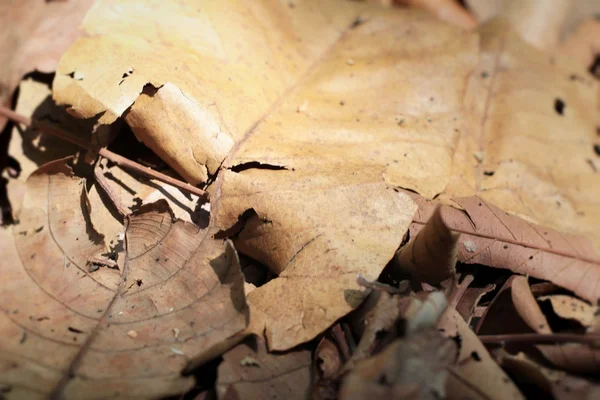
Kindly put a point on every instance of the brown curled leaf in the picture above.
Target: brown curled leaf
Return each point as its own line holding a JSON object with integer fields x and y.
{"x": 431, "y": 256}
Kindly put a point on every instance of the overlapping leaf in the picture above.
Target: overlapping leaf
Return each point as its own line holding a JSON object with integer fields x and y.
{"x": 71, "y": 330}
{"x": 492, "y": 237}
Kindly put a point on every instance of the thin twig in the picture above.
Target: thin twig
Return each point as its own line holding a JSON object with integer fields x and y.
{"x": 103, "y": 152}
{"x": 537, "y": 338}
{"x": 108, "y": 190}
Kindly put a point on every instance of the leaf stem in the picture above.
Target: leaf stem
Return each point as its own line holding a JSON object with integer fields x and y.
{"x": 537, "y": 338}
{"x": 101, "y": 151}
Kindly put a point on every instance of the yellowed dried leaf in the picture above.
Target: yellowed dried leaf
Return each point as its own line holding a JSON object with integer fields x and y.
{"x": 419, "y": 100}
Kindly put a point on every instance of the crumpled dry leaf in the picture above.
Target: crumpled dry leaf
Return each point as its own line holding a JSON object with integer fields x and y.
{"x": 431, "y": 256}
{"x": 248, "y": 371}
{"x": 35, "y": 36}
{"x": 475, "y": 375}
{"x": 415, "y": 367}
{"x": 491, "y": 237}
{"x": 176, "y": 299}
{"x": 357, "y": 96}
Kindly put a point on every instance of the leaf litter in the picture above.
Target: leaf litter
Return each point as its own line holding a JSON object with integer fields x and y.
{"x": 129, "y": 282}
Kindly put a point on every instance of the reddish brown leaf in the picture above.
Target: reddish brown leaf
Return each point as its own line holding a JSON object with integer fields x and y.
{"x": 491, "y": 237}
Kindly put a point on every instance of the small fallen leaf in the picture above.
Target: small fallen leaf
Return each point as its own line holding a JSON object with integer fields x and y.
{"x": 529, "y": 371}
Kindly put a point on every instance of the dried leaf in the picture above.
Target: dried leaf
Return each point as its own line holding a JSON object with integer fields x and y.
{"x": 273, "y": 81}
{"x": 470, "y": 299}
{"x": 431, "y": 256}
{"x": 475, "y": 375}
{"x": 537, "y": 23}
{"x": 69, "y": 332}
{"x": 318, "y": 257}
{"x": 505, "y": 241}
{"x": 327, "y": 364}
{"x": 556, "y": 383}
{"x": 277, "y": 376}
{"x": 446, "y": 10}
{"x": 569, "y": 307}
{"x": 528, "y": 371}
{"x": 349, "y": 230}
{"x": 410, "y": 368}
{"x": 513, "y": 310}
{"x": 519, "y": 312}
{"x": 36, "y": 34}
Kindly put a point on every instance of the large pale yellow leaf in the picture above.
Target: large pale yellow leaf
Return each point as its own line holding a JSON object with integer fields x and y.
{"x": 74, "y": 332}
{"x": 310, "y": 112}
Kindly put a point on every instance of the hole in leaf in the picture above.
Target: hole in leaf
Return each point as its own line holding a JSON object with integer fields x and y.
{"x": 559, "y": 106}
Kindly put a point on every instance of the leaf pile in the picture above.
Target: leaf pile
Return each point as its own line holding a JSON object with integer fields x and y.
{"x": 378, "y": 203}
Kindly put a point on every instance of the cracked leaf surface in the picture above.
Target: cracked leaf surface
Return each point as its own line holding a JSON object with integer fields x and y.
{"x": 349, "y": 100}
